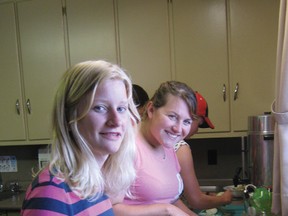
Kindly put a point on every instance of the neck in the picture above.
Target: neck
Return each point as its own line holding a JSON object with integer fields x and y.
{"x": 148, "y": 139}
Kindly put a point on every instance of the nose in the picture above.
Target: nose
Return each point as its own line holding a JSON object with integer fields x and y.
{"x": 114, "y": 119}
{"x": 177, "y": 127}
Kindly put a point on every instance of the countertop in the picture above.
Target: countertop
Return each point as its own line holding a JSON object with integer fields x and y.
{"x": 13, "y": 203}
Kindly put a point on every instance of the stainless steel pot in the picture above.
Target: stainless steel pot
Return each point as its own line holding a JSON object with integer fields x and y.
{"x": 260, "y": 149}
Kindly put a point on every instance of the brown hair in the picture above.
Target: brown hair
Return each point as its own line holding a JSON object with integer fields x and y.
{"x": 178, "y": 89}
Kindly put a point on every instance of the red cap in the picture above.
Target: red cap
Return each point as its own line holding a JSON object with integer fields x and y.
{"x": 202, "y": 111}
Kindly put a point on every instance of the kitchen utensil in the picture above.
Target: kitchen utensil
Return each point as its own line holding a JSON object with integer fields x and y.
{"x": 237, "y": 192}
{"x": 258, "y": 200}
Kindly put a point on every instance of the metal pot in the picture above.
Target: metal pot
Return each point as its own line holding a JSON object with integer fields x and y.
{"x": 260, "y": 149}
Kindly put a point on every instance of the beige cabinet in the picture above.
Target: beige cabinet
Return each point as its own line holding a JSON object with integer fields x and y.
{"x": 211, "y": 45}
{"x": 227, "y": 46}
{"x": 91, "y": 30}
{"x": 144, "y": 38}
{"x": 253, "y": 43}
{"x": 42, "y": 62}
{"x": 201, "y": 55}
{"x": 12, "y": 126}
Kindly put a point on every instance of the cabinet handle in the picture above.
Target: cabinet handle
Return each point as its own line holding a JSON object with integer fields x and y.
{"x": 17, "y": 106}
{"x": 224, "y": 92}
{"x": 236, "y": 91}
{"x": 28, "y": 104}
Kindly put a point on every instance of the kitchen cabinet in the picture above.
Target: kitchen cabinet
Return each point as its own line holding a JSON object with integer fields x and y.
{"x": 219, "y": 44}
{"x": 12, "y": 125}
{"x": 211, "y": 45}
{"x": 145, "y": 42}
{"x": 201, "y": 55}
{"x": 253, "y": 43}
{"x": 91, "y": 30}
{"x": 42, "y": 61}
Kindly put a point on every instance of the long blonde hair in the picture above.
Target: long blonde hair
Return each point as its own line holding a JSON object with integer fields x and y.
{"x": 72, "y": 159}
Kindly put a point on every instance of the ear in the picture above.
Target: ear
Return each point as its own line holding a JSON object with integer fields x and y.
{"x": 150, "y": 109}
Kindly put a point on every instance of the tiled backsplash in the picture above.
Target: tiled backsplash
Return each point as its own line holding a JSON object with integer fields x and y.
{"x": 27, "y": 158}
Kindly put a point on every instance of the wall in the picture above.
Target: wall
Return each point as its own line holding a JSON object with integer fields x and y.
{"x": 216, "y": 159}
{"x": 27, "y": 158}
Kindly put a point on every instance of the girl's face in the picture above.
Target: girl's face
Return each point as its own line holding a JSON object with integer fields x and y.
{"x": 194, "y": 127}
{"x": 169, "y": 123}
{"x": 106, "y": 122}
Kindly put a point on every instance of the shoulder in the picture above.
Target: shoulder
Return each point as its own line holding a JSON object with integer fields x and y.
{"x": 179, "y": 144}
{"x": 48, "y": 193}
{"x": 45, "y": 185}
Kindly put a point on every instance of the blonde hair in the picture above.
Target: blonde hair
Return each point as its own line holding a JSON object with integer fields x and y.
{"x": 72, "y": 158}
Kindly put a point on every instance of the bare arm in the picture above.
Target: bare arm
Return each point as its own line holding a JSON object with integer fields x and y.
{"x": 182, "y": 206}
{"x": 121, "y": 209}
{"x": 192, "y": 192}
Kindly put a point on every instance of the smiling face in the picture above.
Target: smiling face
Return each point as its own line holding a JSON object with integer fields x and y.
{"x": 105, "y": 124}
{"x": 170, "y": 123}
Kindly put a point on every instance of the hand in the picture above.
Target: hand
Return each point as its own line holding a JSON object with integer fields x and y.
{"x": 227, "y": 197}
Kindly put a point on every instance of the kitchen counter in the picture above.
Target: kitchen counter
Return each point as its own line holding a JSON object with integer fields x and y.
{"x": 13, "y": 203}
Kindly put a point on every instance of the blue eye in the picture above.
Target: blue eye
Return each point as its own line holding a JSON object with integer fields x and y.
{"x": 172, "y": 117}
{"x": 122, "y": 109}
{"x": 188, "y": 122}
{"x": 99, "y": 109}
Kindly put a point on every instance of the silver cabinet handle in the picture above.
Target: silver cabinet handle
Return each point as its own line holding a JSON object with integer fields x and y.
{"x": 236, "y": 91}
{"x": 17, "y": 106}
{"x": 28, "y": 104}
{"x": 224, "y": 92}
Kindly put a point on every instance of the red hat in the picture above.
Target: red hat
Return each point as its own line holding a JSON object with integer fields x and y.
{"x": 202, "y": 111}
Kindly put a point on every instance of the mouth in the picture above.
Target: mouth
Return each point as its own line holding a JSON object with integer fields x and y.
{"x": 111, "y": 135}
{"x": 172, "y": 135}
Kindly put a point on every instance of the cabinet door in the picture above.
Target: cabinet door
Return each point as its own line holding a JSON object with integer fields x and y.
{"x": 253, "y": 30}
{"x": 91, "y": 30}
{"x": 12, "y": 125}
{"x": 144, "y": 41}
{"x": 43, "y": 60}
{"x": 201, "y": 57}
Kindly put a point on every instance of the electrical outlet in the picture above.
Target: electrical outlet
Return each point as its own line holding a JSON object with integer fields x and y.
{"x": 8, "y": 164}
{"x": 212, "y": 157}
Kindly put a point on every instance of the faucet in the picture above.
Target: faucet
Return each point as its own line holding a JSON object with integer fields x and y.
{"x": 14, "y": 187}
{"x": 237, "y": 180}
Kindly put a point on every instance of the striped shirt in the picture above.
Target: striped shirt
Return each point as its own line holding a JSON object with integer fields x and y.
{"x": 48, "y": 195}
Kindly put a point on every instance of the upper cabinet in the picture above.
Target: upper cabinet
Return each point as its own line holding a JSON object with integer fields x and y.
{"x": 42, "y": 62}
{"x": 227, "y": 51}
{"x": 91, "y": 30}
{"x": 253, "y": 30}
{"x": 201, "y": 54}
{"x": 144, "y": 38}
{"x": 12, "y": 126}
